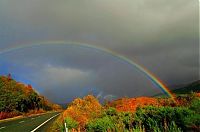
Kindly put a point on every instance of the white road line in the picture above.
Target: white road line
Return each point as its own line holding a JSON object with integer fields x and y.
{"x": 44, "y": 122}
{"x": 21, "y": 121}
{"x": 2, "y": 127}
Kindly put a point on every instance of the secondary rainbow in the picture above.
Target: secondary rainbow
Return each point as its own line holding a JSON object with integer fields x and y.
{"x": 141, "y": 68}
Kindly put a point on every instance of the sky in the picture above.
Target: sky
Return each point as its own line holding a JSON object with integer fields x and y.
{"x": 162, "y": 36}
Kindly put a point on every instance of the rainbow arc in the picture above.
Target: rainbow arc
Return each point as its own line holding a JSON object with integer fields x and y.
{"x": 139, "y": 67}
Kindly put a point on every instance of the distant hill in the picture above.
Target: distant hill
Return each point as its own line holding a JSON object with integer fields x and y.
{"x": 192, "y": 87}
{"x": 184, "y": 88}
{"x": 64, "y": 105}
{"x": 21, "y": 98}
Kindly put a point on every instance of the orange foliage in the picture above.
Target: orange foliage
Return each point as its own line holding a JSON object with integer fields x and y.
{"x": 131, "y": 104}
{"x": 27, "y": 89}
{"x": 198, "y": 94}
{"x": 82, "y": 110}
{"x": 186, "y": 100}
{"x": 4, "y": 115}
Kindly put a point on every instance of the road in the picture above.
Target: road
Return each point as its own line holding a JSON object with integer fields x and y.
{"x": 39, "y": 123}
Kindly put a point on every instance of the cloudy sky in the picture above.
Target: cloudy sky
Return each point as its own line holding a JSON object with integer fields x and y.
{"x": 161, "y": 35}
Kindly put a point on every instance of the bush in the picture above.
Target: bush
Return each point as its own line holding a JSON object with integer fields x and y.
{"x": 126, "y": 118}
{"x": 195, "y": 105}
{"x": 153, "y": 117}
{"x": 111, "y": 111}
{"x": 173, "y": 127}
{"x": 112, "y": 120}
{"x": 193, "y": 120}
{"x": 83, "y": 110}
{"x": 71, "y": 123}
{"x": 138, "y": 129}
{"x": 101, "y": 125}
{"x": 4, "y": 115}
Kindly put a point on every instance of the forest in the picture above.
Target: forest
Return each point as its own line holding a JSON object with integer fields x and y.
{"x": 17, "y": 98}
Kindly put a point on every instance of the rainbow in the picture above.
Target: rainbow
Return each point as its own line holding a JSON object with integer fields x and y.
{"x": 155, "y": 80}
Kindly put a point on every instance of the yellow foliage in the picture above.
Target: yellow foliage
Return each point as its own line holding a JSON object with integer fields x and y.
{"x": 82, "y": 110}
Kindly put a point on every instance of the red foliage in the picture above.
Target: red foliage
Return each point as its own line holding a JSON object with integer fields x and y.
{"x": 131, "y": 104}
{"x": 4, "y": 115}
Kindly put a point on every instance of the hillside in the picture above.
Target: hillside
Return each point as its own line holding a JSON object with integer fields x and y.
{"x": 183, "y": 89}
{"x": 17, "y": 98}
{"x": 192, "y": 87}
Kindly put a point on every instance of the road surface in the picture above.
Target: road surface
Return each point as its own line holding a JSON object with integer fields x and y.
{"x": 39, "y": 123}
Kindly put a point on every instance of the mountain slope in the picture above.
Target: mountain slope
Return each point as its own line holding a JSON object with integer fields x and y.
{"x": 18, "y": 98}
{"x": 192, "y": 87}
{"x": 183, "y": 89}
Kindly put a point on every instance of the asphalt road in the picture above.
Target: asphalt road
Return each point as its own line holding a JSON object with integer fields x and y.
{"x": 39, "y": 123}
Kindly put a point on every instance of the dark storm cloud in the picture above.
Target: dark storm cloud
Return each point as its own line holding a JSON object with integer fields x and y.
{"x": 161, "y": 35}
{"x": 64, "y": 77}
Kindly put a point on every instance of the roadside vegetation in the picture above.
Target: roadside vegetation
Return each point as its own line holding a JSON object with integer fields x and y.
{"x": 17, "y": 99}
{"x": 142, "y": 114}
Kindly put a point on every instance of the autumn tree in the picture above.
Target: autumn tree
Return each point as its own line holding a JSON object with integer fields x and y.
{"x": 83, "y": 110}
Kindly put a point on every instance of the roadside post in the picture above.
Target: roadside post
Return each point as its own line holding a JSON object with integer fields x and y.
{"x": 66, "y": 129}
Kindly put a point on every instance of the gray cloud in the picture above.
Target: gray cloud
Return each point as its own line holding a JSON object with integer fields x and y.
{"x": 75, "y": 72}
{"x": 161, "y": 35}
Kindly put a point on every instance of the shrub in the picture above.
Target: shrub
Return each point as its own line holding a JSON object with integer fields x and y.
{"x": 138, "y": 129}
{"x": 111, "y": 111}
{"x": 71, "y": 123}
{"x": 173, "y": 127}
{"x": 126, "y": 118}
{"x": 4, "y": 115}
{"x": 193, "y": 121}
{"x": 153, "y": 117}
{"x": 83, "y": 110}
{"x": 101, "y": 125}
{"x": 112, "y": 120}
{"x": 195, "y": 105}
